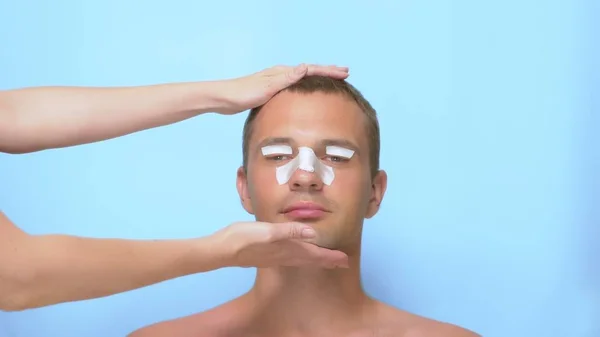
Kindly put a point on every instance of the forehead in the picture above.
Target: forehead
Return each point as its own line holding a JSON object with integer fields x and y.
{"x": 308, "y": 117}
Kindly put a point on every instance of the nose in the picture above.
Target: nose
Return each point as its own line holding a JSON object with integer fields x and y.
{"x": 305, "y": 181}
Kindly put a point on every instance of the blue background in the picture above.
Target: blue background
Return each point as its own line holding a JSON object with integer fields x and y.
{"x": 489, "y": 118}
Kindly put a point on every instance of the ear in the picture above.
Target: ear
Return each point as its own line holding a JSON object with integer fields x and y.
{"x": 377, "y": 192}
{"x": 242, "y": 187}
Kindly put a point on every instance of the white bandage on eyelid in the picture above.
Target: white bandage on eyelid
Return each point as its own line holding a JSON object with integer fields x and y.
{"x": 306, "y": 160}
{"x": 339, "y": 152}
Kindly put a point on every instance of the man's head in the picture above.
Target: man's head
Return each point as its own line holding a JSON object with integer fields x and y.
{"x": 311, "y": 117}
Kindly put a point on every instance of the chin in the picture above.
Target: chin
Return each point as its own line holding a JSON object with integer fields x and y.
{"x": 327, "y": 244}
{"x": 328, "y": 239}
{"x": 333, "y": 244}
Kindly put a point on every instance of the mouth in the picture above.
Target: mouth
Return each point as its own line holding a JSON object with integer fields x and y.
{"x": 304, "y": 211}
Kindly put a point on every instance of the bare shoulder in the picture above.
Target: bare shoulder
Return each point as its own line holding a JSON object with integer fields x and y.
{"x": 439, "y": 329}
{"x": 411, "y": 325}
{"x": 184, "y": 326}
{"x": 14, "y": 244}
{"x": 208, "y": 323}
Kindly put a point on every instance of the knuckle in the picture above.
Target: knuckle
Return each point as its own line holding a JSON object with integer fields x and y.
{"x": 289, "y": 76}
{"x": 292, "y": 231}
{"x": 270, "y": 234}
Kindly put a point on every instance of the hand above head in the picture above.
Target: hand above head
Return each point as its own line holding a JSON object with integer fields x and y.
{"x": 31, "y": 119}
{"x": 263, "y": 244}
{"x": 254, "y": 90}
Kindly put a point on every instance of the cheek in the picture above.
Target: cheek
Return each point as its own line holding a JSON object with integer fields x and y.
{"x": 264, "y": 191}
{"x": 263, "y": 181}
{"x": 351, "y": 190}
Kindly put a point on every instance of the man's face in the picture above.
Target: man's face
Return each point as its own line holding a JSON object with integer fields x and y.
{"x": 315, "y": 120}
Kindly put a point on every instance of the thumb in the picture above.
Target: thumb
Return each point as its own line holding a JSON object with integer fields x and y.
{"x": 295, "y": 230}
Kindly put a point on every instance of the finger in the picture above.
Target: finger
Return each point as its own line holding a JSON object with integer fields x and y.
{"x": 279, "y": 78}
{"x": 327, "y": 257}
{"x": 284, "y": 77}
{"x": 331, "y": 67}
{"x": 336, "y": 74}
{"x": 336, "y": 67}
{"x": 295, "y": 74}
{"x": 339, "y": 259}
{"x": 293, "y": 230}
{"x": 334, "y": 259}
{"x": 330, "y": 71}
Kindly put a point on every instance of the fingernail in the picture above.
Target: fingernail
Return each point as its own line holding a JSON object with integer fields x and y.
{"x": 308, "y": 233}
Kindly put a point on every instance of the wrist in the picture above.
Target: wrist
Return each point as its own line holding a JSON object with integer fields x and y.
{"x": 211, "y": 253}
{"x": 210, "y": 96}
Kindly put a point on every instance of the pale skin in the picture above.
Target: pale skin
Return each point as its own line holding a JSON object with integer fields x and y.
{"x": 308, "y": 301}
{"x": 42, "y": 270}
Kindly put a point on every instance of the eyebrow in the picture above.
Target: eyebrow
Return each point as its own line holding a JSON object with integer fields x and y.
{"x": 324, "y": 142}
{"x": 274, "y": 141}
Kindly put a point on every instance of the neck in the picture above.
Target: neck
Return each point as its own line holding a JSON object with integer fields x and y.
{"x": 305, "y": 299}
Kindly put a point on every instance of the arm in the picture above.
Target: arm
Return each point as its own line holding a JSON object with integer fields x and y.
{"x": 34, "y": 119}
{"x": 37, "y": 271}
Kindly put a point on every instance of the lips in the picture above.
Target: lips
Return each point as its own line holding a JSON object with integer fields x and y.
{"x": 304, "y": 211}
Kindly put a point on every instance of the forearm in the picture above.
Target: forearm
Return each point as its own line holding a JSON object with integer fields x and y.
{"x": 58, "y": 268}
{"x": 34, "y": 119}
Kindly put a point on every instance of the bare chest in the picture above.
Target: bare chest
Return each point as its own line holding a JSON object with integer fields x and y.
{"x": 380, "y": 331}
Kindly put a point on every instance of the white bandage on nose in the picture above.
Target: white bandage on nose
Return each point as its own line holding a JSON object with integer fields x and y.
{"x": 306, "y": 160}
